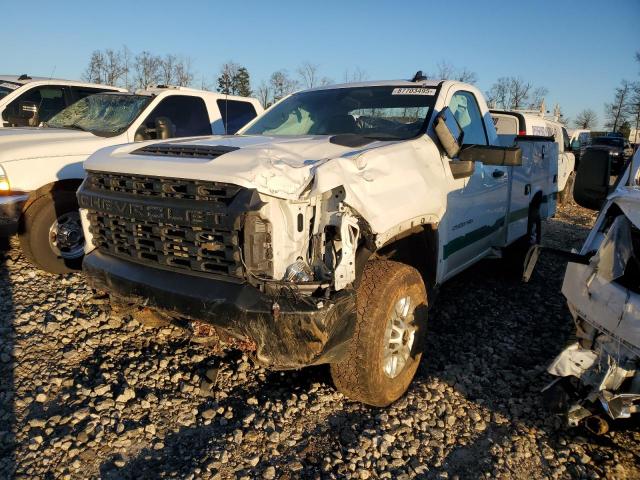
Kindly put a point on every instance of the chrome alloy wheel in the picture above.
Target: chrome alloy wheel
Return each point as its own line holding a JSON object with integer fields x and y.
{"x": 66, "y": 238}
{"x": 399, "y": 337}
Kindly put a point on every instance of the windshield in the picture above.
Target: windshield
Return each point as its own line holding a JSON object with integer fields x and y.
{"x": 384, "y": 113}
{"x": 7, "y": 87}
{"x": 608, "y": 141}
{"x": 103, "y": 114}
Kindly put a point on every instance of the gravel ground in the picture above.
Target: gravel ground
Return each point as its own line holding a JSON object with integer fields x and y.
{"x": 85, "y": 394}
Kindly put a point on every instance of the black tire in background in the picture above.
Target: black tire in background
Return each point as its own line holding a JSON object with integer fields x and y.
{"x": 365, "y": 374}
{"x": 35, "y": 235}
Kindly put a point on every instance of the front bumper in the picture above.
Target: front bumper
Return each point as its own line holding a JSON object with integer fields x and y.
{"x": 289, "y": 331}
{"x": 10, "y": 211}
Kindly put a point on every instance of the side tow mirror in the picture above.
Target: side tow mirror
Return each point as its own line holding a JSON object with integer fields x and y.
{"x": 492, "y": 155}
{"x": 164, "y": 128}
{"x": 449, "y": 132}
{"x": 591, "y": 185}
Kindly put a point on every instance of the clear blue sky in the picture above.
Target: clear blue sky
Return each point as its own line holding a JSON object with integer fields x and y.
{"x": 579, "y": 50}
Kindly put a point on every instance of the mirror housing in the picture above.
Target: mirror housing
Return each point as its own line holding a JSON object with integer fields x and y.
{"x": 591, "y": 185}
{"x": 164, "y": 128}
{"x": 462, "y": 168}
{"x": 449, "y": 132}
{"x": 492, "y": 155}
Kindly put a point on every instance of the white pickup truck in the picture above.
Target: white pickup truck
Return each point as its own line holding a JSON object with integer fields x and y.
{"x": 26, "y": 101}
{"x": 41, "y": 168}
{"x": 512, "y": 123}
{"x": 321, "y": 231}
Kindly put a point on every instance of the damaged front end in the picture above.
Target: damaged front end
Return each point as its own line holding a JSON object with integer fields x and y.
{"x": 275, "y": 274}
{"x": 604, "y": 299}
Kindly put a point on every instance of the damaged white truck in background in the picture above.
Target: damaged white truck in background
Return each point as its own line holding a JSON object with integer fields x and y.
{"x": 319, "y": 233}
{"x": 600, "y": 370}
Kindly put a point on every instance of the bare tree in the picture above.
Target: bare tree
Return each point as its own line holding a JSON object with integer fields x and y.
{"x": 634, "y": 107}
{"x": 167, "y": 69}
{"x": 519, "y": 92}
{"x": 586, "y": 119}
{"x": 183, "y": 74}
{"x": 618, "y": 110}
{"x": 106, "y": 67}
{"x": 263, "y": 93}
{"x": 281, "y": 84}
{"x": 355, "y": 75}
{"x": 308, "y": 73}
{"x": 446, "y": 71}
{"x": 499, "y": 96}
{"x": 537, "y": 98}
{"x": 147, "y": 69}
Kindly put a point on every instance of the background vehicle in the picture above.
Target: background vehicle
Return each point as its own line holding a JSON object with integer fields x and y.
{"x": 26, "y": 101}
{"x": 580, "y": 139}
{"x": 305, "y": 236}
{"x": 41, "y": 168}
{"x": 510, "y": 124}
{"x": 602, "y": 287}
{"x": 618, "y": 148}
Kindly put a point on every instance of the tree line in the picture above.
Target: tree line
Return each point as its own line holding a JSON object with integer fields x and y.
{"x": 124, "y": 68}
{"x": 623, "y": 113}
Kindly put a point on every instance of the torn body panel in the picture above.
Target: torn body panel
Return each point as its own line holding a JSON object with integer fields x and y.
{"x": 604, "y": 299}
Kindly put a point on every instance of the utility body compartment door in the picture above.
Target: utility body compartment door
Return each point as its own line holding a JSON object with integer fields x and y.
{"x": 537, "y": 175}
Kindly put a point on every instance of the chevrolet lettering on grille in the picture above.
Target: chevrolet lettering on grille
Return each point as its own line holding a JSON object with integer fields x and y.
{"x": 147, "y": 212}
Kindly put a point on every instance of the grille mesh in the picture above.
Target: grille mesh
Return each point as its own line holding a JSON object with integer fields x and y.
{"x": 211, "y": 249}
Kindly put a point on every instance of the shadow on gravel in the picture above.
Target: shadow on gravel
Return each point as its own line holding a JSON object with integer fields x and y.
{"x": 7, "y": 367}
{"x": 491, "y": 340}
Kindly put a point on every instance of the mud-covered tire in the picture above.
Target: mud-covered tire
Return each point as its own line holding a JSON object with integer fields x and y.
{"x": 566, "y": 194}
{"x": 36, "y": 223}
{"x": 361, "y": 376}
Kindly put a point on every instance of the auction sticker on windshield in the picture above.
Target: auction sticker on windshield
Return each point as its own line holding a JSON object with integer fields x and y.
{"x": 413, "y": 91}
{"x": 11, "y": 86}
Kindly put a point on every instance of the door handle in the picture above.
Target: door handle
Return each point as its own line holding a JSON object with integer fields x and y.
{"x": 497, "y": 173}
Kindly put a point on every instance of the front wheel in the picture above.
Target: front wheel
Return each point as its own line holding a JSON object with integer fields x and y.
{"x": 52, "y": 237}
{"x": 391, "y": 304}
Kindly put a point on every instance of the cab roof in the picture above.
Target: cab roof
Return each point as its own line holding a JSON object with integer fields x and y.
{"x": 25, "y": 79}
{"x": 383, "y": 83}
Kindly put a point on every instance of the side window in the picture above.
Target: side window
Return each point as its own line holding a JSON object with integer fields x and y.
{"x": 465, "y": 108}
{"x": 187, "y": 115}
{"x": 235, "y": 114}
{"x": 50, "y": 100}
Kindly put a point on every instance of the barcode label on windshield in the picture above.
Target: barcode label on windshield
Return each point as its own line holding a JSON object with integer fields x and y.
{"x": 10, "y": 86}
{"x": 413, "y": 91}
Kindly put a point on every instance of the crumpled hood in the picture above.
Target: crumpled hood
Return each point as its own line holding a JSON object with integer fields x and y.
{"x": 25, "y": 143}
{"x": 278, "y": 166}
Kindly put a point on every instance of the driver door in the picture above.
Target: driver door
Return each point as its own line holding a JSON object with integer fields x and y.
{"x": 477, "y": 205}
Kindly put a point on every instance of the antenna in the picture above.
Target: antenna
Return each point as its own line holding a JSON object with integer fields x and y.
{"x": 419, "y": 77}
{"x": 53, "y": 72}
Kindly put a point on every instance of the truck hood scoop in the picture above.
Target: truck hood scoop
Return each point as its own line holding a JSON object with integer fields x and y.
{"x": 208, "y": 152}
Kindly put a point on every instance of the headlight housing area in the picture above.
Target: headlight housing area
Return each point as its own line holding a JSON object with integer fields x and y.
{"x": 5, "y": 186}
{"x": 614, "y": 154}
{"x": 257, "y": 249}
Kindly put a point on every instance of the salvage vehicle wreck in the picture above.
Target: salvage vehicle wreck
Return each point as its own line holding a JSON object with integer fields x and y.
{"x": 603, "y": 294}
{"x": 320, "y": 232}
